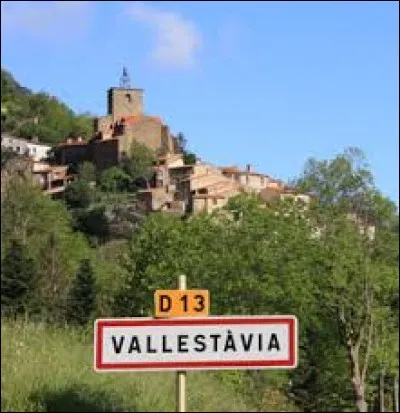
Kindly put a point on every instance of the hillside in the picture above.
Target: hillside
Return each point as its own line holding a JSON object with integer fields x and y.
{"x": 27, "y": 114}
{"x": 50, "y": 369}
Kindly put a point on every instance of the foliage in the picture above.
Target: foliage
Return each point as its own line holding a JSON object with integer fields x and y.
{"x": 189, "y": 158}
{"x": 17, "y": 279}
{"x": 360, "y": 270}
{"x": 338, "y": 181}
{"x": 114, "y": 179}
{"x": 82, "y": 296}
{"x": 6, "y": 155}
{"x": 87, "y": 171}
{"x": 27, "y": 114}
{"x": 78, "y": 194}
{"x": 93, "y": 222}
{"x": 139, "y": 162}
{"x": 44, "y": 227}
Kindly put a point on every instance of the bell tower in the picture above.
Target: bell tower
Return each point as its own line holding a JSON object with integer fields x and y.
{"x": 124, "y": 101}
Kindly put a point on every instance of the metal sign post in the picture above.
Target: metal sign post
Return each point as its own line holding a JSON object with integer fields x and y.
{"x": 181, "y": 375}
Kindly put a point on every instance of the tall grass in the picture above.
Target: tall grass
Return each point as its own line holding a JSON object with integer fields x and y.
{"x": 51, "y": 369}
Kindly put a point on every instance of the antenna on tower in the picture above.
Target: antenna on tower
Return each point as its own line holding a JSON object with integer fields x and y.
{"x": 125, "y": 81}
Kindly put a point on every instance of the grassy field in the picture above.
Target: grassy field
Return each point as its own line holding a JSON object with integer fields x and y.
{"x": 49, "y": 369}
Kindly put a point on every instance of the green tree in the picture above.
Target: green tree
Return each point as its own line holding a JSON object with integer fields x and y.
{"x": 114, "y": 179}
{"x": 356, "y": 265}
{"x": 189, "y": 158}
{"x": 17, "y": 279}
{"x": 44, "y": 227}
{"x": 87, "y": 172}
{"x": 82, "y": 295}
{"x": 93, "y": 222}
{"x": 181, "y": 142}
{"x": 138, "y": 164}
{"x": 39, "y": 114}
{"x": 78, "y": 194}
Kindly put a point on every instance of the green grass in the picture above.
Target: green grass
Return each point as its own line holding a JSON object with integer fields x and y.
{"x": 51, "y": 369}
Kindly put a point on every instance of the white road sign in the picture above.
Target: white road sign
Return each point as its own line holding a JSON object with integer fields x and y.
{"x": 249, "y": 342}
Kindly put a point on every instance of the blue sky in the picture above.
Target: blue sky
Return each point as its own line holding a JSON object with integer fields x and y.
{"x": 265, "y": 83}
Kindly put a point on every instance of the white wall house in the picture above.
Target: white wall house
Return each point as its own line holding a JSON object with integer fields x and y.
{"x": 35, "y": 150}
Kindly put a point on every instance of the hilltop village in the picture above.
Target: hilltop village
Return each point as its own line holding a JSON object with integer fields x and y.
{"x": 176, "y": 186}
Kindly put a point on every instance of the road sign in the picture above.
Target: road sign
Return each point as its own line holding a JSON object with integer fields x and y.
{"x": 248, "y": 342}
{"x": 181, "y": 303}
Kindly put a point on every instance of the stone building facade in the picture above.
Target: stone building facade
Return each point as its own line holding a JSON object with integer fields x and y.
{"x": 251, "y": 180}
{"x": 114, "y": 133}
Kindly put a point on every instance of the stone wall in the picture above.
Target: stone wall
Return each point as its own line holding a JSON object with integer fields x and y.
{"x": 104, "y": 153}
{"x": 147, "y": 131}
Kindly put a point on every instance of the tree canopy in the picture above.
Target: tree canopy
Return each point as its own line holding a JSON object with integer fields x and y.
{"x": 27, "y": 114}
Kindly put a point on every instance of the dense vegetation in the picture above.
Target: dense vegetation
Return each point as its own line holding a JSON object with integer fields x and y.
{"x": 27, "y": 114}
{"x": 63, "y": 266}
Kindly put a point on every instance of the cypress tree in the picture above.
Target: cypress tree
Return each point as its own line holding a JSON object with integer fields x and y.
{"x": 17, "y": 279}
{"x": 82, "y": 296}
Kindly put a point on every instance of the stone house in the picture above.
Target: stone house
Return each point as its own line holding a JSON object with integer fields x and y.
{"x": 249, "y": 179}
{"x": 189, "y": 188}
{"x": 271, "y": 194}
{"x": 53, "y": 179}
{"x": 32, "y": 148}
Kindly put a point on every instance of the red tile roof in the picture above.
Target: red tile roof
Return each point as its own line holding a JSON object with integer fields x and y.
{"x": 234, "y": 170}
{"x": 137, "y": 118}
{"x": 230, "y": 169}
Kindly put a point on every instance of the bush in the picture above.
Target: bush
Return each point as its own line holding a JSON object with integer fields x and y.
{"x": 93, "y": 222}
{"x": 114, "y": 179}
{"x": 78, "y": 194}
{"x": 87, "y": 171}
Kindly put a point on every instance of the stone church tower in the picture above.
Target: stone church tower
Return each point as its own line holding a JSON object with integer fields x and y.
{"x": 124, "y": 101}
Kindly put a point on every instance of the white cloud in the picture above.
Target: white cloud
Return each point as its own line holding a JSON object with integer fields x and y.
{"x": 176, "y": 39}
{"x": 53, "y": 19}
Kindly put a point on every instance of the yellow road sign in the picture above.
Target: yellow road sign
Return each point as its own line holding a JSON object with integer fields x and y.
{"x": 181, "y": 303}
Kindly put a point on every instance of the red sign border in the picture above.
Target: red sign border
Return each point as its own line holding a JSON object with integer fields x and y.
{"x": 289, "y": 363}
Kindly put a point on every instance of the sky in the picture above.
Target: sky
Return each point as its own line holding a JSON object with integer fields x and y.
{"x": 269, "y": 84}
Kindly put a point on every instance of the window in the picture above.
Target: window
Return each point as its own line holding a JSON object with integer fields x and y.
{"x": 128, "y": 98}
{"x": 215, "y": 201}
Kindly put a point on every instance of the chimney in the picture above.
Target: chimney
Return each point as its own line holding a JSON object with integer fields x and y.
{"x": 248, "y": 168}
{"x": 35, "y": 139}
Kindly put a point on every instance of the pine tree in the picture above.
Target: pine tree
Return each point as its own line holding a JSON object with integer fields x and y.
{"x": 17, "y": 279}
{"x": 82, "y": 295}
